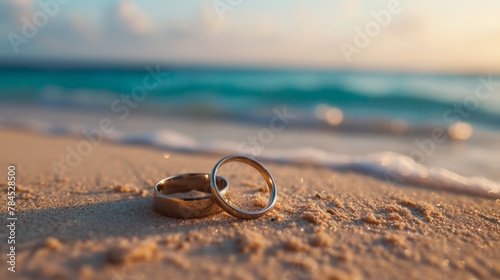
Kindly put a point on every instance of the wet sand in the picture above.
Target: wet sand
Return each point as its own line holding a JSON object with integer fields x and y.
{"x": 95, "y": 221}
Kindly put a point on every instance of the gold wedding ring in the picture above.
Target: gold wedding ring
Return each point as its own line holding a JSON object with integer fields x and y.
{"x": 169, "y": 200}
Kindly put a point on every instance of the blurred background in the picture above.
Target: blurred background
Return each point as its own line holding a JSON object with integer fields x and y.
{"x": 326, "y": 80}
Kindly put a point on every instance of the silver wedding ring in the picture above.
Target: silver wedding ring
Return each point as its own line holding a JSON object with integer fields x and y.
{"x": 197, "y": 195}
{"x": 218, "y": 196}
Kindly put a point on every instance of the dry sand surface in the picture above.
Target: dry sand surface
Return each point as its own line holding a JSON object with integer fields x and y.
{"x": 96, "y": 222}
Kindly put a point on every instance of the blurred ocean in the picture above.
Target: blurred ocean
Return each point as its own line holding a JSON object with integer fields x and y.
{"x": 376, "y": 122}
{"x": 419, "y": 99}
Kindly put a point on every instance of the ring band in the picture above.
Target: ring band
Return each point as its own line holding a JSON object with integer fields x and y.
{"x": 168, "y": 204}
{"x": 217, "y": 195}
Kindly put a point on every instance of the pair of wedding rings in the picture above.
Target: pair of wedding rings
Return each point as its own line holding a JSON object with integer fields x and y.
{"x": 214, "y": 191}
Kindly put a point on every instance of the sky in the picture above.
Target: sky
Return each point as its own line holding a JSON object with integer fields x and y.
{"x": 430, "y": 36}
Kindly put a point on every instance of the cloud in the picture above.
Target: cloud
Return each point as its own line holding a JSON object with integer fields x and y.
{"x": 205, "y": 24}
{"x": 348, "y": 9}
{"x": 126, "y": 18}
{"x": 12, "y": 11}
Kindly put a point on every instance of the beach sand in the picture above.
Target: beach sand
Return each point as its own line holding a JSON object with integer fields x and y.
{"x": 96, "y": 222}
